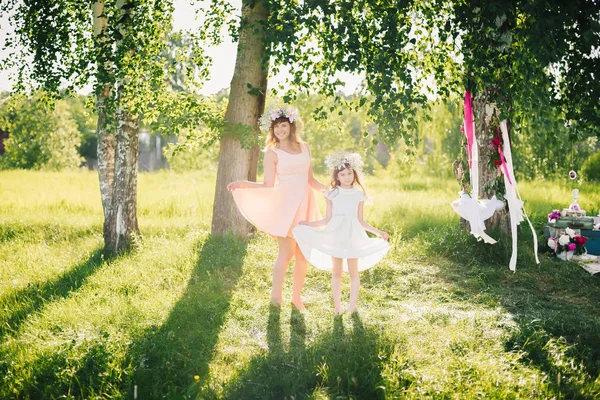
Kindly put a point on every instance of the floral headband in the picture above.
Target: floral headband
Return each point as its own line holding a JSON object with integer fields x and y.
{"x": 272, "y": 113}
{"x": 338, "y": 161}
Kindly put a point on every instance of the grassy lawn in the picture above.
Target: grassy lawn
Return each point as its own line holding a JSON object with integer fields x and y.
{"x": 187, "y": 314}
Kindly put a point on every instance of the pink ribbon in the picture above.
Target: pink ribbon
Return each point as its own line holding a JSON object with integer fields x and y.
{"x": 504, "y": 164}
{"x": 469, "y": 126}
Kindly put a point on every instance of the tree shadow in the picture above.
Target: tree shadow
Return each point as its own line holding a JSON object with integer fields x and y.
{"x": 46, "y": 232}
{"x": 554, "y": 305}
{"x": 338, "y": 364}
{"x": 24, "y": 302}
{"x": 167, "y": 358}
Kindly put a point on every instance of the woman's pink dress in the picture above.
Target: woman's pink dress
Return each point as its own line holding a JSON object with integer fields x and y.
{"x": 278, "y": 209}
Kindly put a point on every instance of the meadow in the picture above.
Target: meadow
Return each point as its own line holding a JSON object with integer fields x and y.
{"x": 186, "y": 314}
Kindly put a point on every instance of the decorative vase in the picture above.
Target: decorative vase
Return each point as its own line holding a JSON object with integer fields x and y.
{"x": 565, "y": 255}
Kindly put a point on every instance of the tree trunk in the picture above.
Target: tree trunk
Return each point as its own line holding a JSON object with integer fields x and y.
{"x": 483, "y": 110}
{"x": 117, "y": 152}
{"x": 106, "y": 139}
{"x": 124, "y": 224}
{"x": 106, "y": 165}
{"x": 236, "y": 163}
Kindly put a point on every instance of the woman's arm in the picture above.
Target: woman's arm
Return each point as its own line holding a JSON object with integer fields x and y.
{"x": 322, "y": 222}
{"x": 269, "y": 167}
{"x": 312, "y": 181}
{"x": 368, "y": 227}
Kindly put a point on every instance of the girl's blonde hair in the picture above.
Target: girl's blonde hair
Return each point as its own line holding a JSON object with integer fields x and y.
{"x": 295, "y": 131}
{"x": 335, "y": 182}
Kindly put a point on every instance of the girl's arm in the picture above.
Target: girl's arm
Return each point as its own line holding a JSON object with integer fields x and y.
{"x": 368, "y": 227}
{"x": 312, "y": 181}
{"x": 269, "y": 167}
{"x": 322, "y": 222}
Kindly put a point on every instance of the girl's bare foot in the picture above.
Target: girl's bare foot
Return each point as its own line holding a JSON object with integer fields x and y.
{"x": 299, "y": 305}
{"x": 351, "y": 309}
{"x": 276, "y": 302}
{"x": 338, "y": 311}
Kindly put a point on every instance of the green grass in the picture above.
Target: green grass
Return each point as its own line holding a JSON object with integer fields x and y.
{"x": 187, "y": 315}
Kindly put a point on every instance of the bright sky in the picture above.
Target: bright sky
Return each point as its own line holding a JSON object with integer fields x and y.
{"x": 184, "y": 18}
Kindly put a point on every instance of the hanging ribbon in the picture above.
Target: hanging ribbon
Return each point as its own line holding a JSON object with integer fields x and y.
{"x": 469, "y": 123}
{"x": 515, "y": 203}
{"x": 504, "y": 166}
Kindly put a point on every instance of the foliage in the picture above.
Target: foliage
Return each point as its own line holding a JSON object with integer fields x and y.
{"x": 591, "y": 168}
{"x": 42, "y": 33}
{"x": 514, "y": 49}
{"x": 137, "y": 53}
{"x": 527, "y": 55}
{"x": 546, "y": 147}
{"x": 188, "y": 155}
{"x": 318, "y": 39}
{"x": 39, "y": 137}
{"x": 80, "y": 107}
{"x": 348, "y": 130}
{"x": 438, "y": 140}
{"x": 185, "y": 61}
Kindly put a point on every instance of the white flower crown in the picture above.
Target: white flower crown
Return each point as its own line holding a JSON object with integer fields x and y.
{"x": 274, "y": 112}
{"x": 339, "y": 160}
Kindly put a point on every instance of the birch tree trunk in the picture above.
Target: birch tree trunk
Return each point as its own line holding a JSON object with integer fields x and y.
{"x": 236, "y": 163}
{"x": 117, "y": 151}
{"x": 482, "y": 108}
{"x": 124, "y": 224}
{"x": 106, "y": 139}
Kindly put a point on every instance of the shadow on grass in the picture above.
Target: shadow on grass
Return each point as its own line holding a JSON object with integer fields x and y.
{"x": 555, "y": 304}
{"x": 48, "y": 381}
{"x": 167, "y": 358}
{"x": 413, "y": 221}
{"x": 49, "y": 233}
{"x": 19, "y": 304}
{"x": 338, "y": 364}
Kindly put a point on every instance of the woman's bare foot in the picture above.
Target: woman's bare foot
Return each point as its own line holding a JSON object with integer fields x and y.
{"x": 351, "y": 309}
{"x": 338, "y": 311}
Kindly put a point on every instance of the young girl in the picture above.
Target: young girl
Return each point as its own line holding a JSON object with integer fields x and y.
{"x": 343, "y": 244}
{"x": 284, "y": 198}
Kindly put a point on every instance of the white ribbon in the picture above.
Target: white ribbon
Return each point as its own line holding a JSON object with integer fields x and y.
{"x": 515, "y": 203}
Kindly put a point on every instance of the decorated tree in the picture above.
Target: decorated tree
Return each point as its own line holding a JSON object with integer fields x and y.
{"x": 520, "y": 58}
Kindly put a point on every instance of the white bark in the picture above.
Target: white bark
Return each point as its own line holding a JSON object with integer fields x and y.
{"x": 124, "y": 203}
{"x": 106, "y": 139}
{"x": 117, "y": 157}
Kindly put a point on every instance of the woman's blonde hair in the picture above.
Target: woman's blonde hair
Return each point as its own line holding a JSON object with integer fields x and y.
{"x": 295, "y": 131}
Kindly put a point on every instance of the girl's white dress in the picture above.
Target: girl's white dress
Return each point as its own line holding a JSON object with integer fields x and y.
{"x": 343, "y": 237}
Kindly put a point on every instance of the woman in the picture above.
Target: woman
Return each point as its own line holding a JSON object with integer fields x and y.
{"x": 284, "y": 198}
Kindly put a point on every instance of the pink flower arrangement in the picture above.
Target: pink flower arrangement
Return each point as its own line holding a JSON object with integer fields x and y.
{"x": 554, "y": 216}
{"x": 569, "y": 241}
